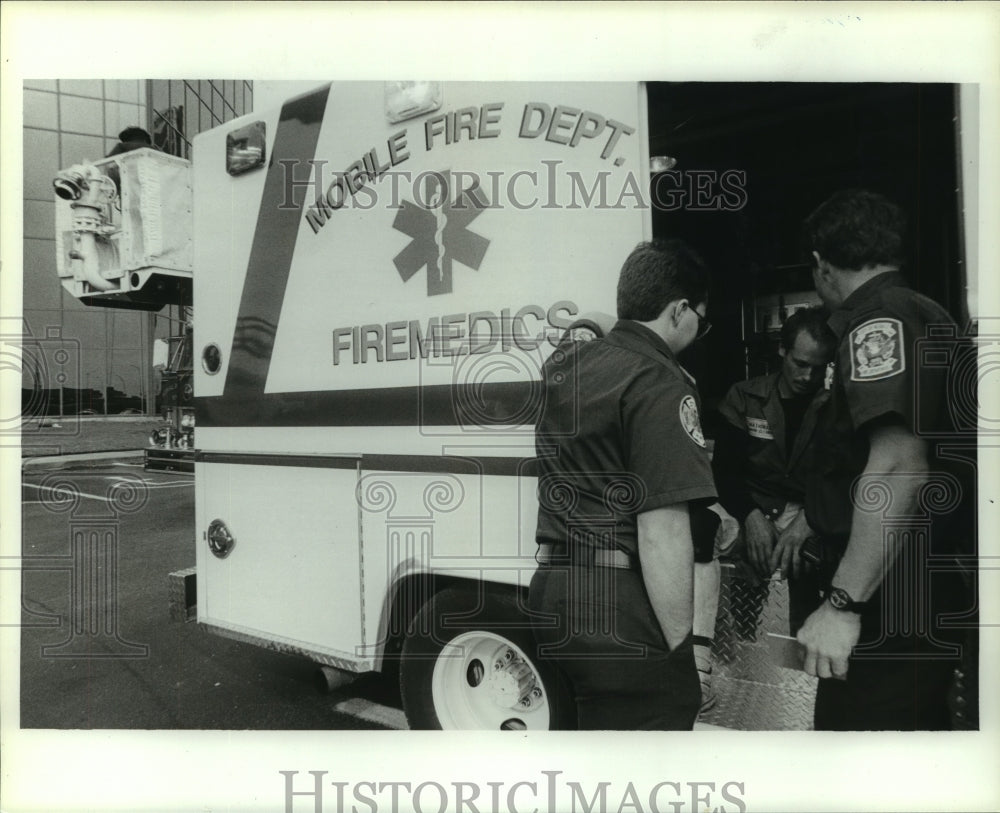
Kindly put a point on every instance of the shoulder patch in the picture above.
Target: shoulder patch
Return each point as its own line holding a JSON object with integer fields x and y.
{"x": 689, "y": 420}
{"x": 877, "y": 350}
{"x": 582, "y": 333}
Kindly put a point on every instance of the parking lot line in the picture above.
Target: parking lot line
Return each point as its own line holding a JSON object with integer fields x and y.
{"x": 75, "y": 493}
{"x": 67, "y": 491}
{"x": 157, "y": 483}
{"x": 373, "y": 712}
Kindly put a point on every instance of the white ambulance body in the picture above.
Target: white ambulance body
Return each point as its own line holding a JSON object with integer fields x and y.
{"x": 372, "y": 307}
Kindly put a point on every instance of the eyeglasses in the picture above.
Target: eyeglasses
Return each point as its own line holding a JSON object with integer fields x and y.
{"x": 703, "y": 325}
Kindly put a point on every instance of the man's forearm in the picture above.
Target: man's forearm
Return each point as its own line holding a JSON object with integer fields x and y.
{"x": 896, "y": 462}
{"x": 666, "y": 554}
{"x": 870, "y": 550}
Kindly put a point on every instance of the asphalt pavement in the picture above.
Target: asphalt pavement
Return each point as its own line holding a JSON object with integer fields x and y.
{"x": 109, "y": 529}
{"x": 74, "y": 434}
{"x": 100, "y": 532}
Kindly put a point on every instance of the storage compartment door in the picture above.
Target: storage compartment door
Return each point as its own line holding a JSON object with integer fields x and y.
{"x": 293, "y": 573}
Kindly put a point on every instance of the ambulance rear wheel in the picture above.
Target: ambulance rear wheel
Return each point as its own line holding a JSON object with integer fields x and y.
{"x": 469, "y": 662}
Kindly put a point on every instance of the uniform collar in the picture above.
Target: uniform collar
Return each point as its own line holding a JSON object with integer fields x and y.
{"x": 635, "y": 330}
{"x": 764, "y": 385}
{"x": 646, "y": 341}
{"x": 841, "y": 318}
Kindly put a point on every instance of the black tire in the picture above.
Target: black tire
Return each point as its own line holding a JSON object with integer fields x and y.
{"x": 461, "y": 634}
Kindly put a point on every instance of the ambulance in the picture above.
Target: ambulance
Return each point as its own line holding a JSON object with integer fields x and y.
{"x": 377, "y": 272}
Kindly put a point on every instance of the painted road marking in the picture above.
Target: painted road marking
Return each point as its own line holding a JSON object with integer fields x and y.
{"x": 373, "y": 713}
{"x": 154, "y": 483}
{"x": 67, "y": 491}
{"x": 396, "y": 718}
{"x": 74, "y": 493}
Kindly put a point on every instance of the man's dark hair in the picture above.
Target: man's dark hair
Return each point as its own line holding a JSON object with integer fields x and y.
{"x": 131, "y": 138}
{"x": 136, "y": 134}
{"x": 657, "y": 273}
{"x": 813, "y": 322}
{"x": 857, "y": 228}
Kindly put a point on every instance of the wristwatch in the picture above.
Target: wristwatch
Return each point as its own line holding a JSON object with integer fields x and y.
{"x": 841, "y": 600}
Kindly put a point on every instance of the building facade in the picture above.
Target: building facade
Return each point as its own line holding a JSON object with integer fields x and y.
{"x": 93, "y": 360}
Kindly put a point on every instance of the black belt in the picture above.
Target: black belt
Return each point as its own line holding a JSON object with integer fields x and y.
{"x": 554, "y": 554}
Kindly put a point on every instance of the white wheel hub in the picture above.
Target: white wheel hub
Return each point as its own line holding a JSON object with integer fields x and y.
{"x": 483, "y": 681}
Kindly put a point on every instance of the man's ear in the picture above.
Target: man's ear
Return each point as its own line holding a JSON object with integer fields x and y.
{"x": 781, "y": 351}
{"x": 675, "y": 310}
{"x": 824, "y": 270}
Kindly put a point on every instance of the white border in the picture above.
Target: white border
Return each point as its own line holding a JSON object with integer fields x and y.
{"x": 223, "y": 771}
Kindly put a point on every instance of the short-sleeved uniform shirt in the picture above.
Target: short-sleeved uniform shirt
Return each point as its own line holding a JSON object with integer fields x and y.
{"x": 878, "y": 376}
{"x": 618, "y": 435}
{"x": 884, "y": 374}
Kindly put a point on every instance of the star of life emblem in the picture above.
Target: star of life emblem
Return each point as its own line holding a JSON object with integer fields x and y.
{"x": 689, "y": 420}
{"x": 439, "y": 231}
{"x": 877, "y": 350}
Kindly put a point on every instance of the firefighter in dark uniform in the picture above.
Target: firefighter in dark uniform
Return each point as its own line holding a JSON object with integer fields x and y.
{"x": 612, "y": 599}
{"x": 712, "y": 529}
{"x": 762, "y": 451}
{"x": 880, "y": 642}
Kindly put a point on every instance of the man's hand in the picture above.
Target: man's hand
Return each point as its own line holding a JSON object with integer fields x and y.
{"x": 829, "y": 635}
{"x": 760, "y": 536}
{"x": 787, "y": 554}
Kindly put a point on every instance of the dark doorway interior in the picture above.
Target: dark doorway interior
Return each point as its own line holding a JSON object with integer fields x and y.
{"x": 792, "y": 145}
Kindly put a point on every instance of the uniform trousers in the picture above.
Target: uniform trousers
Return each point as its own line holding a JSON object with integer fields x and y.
{"x": 900, "y": 672}
{"x": 886, "y": 694}
{"x": 597, "y": 626}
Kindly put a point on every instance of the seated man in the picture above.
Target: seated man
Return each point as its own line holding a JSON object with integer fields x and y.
{"x": 761, "y": 455}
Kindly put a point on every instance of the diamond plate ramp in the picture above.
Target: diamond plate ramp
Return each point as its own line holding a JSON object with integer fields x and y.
{"x": 754, "y": 693}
